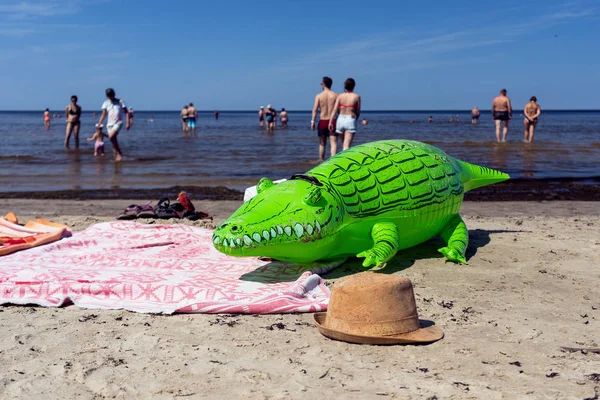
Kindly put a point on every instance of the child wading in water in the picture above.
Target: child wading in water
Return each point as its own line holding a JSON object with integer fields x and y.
{"x": 98, "y": 137}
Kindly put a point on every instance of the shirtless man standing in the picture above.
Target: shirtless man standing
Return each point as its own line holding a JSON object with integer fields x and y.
{"x": 283, "y": 117}
{"x": 532, "y": 111}
{"x": 192, "y": 114}
{"x": 325, "y": 102}
{"x": 73, "y": 113}
{"x": 475, "y": 113}
{"x": 501, "y": 114}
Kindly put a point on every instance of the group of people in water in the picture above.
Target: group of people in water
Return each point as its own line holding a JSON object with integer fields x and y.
{"x": 338, "y": 115}
{"x": 269, "y": 115}
{"x": 188, "y": 118}
{"x": 114, "y": 111}
{"x": 502, "y": 114}
{"x": 347, "y": 106}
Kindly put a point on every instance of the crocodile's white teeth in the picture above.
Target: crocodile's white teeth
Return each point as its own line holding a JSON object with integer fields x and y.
{"x": 317, "y": 227}
{"x": 299, "y": 230}
{"x": 247, "y": 240}
{"x": 279, "y": 230}
{"x": 273, "y": 233}
{"x": 238, "y": 241}
{"x": 309, "y": 229}
{"x": 216, "y": 240}
{"x": 288, "y": 230}
{"x": 225, "y": 243}
{"x": 266, "y": 235}
{"x": 256, "y": 237}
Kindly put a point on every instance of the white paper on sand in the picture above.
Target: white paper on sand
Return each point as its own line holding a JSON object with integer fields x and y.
{"x": 251, "y": 191}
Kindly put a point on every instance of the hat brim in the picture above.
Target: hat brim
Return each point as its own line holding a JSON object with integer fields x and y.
{"x": 426, "y": 334}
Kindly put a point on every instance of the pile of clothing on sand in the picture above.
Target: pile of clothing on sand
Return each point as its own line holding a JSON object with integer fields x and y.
{"x": 182, "y": 208}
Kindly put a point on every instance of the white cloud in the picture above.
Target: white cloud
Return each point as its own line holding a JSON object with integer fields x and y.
{"x": 34, "y": 9}
{"x": 407, "y": 50}
{"x": 20, "y": 19}
{"x": 15, "y": 32}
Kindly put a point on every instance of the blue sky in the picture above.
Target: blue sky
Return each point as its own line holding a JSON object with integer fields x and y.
{"x": 242, "y": 54}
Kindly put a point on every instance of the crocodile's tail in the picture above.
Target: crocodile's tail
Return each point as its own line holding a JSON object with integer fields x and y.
{"x": 474, "y": 176}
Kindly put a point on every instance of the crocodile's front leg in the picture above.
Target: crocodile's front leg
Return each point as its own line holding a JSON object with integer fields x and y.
{"x": 456, "y": 236}
{"x": 385, "y": 239}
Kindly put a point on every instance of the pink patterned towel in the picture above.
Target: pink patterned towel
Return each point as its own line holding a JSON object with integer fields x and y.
{"x": 157, "y": 269}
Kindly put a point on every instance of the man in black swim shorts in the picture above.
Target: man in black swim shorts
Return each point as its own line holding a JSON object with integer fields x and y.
{"x": 501, "y": 114}
{"x": 324, "y": 103}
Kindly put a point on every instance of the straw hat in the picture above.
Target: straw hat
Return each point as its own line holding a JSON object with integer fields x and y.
{"x": 372, "y": 308}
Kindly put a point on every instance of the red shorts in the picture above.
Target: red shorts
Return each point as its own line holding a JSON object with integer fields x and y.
{"x": 323, "y": 128}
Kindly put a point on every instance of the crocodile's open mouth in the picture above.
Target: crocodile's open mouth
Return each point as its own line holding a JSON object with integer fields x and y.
{"x": 297, "y": 232}
{"x": 295, "y": 211}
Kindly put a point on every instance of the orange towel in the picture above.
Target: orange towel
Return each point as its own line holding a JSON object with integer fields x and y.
{"x": 14, "y": 237}
{"x": 11, "y": 217}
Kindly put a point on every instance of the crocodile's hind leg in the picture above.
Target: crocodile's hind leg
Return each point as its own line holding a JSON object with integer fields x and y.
{"x": 456, "y": 236}
{"x": 385, "y": 239}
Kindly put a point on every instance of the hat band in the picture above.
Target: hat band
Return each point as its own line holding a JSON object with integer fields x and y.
{"x": 380, "y": 328}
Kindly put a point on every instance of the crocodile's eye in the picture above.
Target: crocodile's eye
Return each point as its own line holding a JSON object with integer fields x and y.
{"x": 312, "y": 198}
{"x": 263, "y": 185}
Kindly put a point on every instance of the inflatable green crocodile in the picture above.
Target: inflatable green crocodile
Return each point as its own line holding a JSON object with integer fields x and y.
{"x": 369, "y": 201}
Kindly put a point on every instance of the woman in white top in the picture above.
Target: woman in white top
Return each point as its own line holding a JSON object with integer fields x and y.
{"x": 115, "y": 110}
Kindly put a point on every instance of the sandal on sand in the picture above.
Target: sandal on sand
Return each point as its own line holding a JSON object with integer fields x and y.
{"x": 196, "y": 215}
{"x": 146, "y": 211}
{"x": 137, "y": 211}
{"x": 165, "y": 210}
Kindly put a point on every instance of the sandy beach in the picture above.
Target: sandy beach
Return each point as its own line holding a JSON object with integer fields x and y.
{"x": 531, "y": 286}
